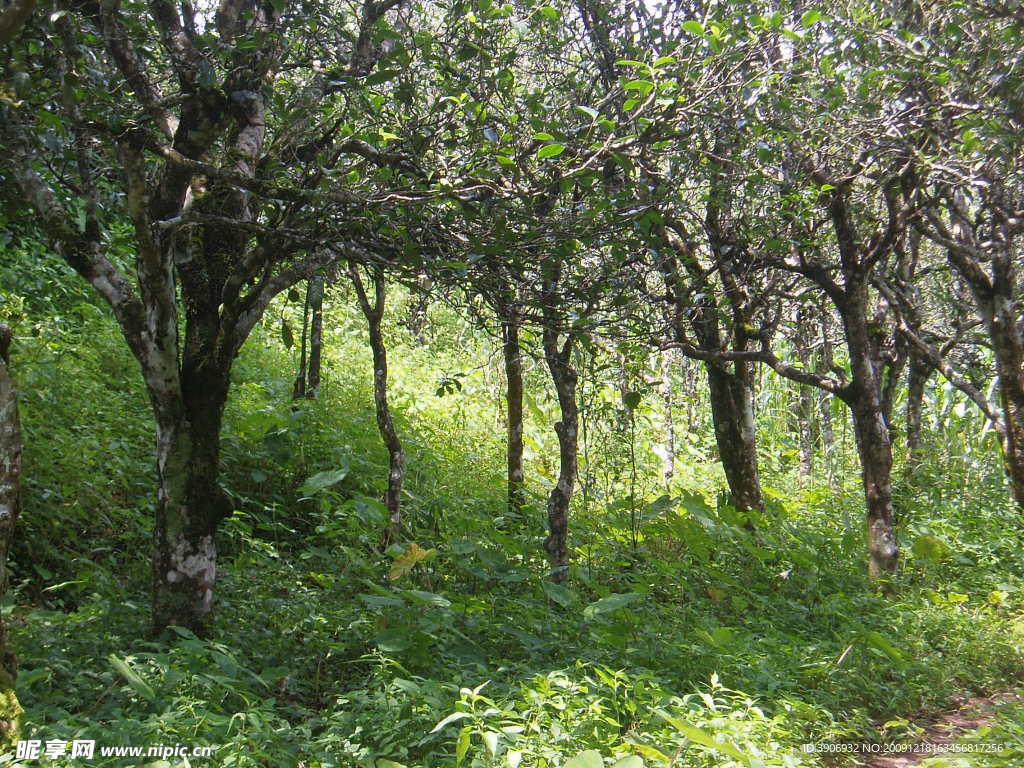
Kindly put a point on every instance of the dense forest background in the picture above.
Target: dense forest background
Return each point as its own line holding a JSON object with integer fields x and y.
{"x": 577, "y": 384}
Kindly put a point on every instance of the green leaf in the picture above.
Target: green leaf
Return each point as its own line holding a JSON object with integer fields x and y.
{"x": 880, "y": 642}
{"x": 453, "y": 717}
{"x": 383, "y": 762}
{"x": 589, "y": 759}
{"x": 462, "y": 745}
{"x": 406, "y": 560}
{"x": 643, "y": 86}
{"x": 632, "y": 400}
{"x": 693, "y": 27}
{"x": 811, "y": 17}
{"x": 633, "y": 761}
{"x": 705, "y": 739}
{"x": 559, "y": 593}
{"x": 490, "y": 739}
{"x": 588, "y": 111}
{"x": 550, "y": 150}
{"x": 324, "y": 479}
{"x": 427, "y": 598}
{"x": 931, "y": 549}
{"x": 137, "y": 684}
{"x": 651, "y": 752}
{"x": 609, "y": 604}
{"x": 513, "y": 759}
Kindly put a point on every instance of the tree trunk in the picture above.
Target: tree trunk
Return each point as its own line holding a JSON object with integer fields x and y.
{"x": 10, "y": 506}
{"x": 514, "y": 404}
{"x": 917, "y": 377}
{"x": 828, "y": 437}
{"x": 315, "y": 299}
{"x": 732, "y": 411}
{"x": 804, "y": 411}
{"x": 307, "y": 383}
{"x": 1009, "y": 354}
{"x": 190, "y": 503}
{"x": 299, "y": 387}
{"x": 668, "y": 467}
{"x": 564, "y": 376}
{"x": 374, "y": 314}
{"x": 864, "y": 396}
{"x": 994, "y": 286}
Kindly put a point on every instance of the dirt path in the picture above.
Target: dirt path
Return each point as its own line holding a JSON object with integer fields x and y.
{"x": 946, "y": 729}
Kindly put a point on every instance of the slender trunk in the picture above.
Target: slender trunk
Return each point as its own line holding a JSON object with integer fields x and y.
{"x": 10, "y": 506}
{"x": 668, "y": 466}
{"x": 316, "y": 334}
{"x": 190, "y": 502}
{"x": 732, "y": 411}
{"x": 514, "y": 404}
{"x": 917, "y": 377}
{"x": 299, "y": 387}
{"x": 805, "y": 422}
{"x": 374, "y": 314}
{"x": 864, "y": 396}
{"x": 828, "y": 437}
{"x": 690, "y": 386}
{"x": 805, "y": 401}
{"x": 564, "y": 376}
{"x": 307, "y": 383}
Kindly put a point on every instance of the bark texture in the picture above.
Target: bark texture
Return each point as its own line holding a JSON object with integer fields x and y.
{"x": 374, "y": 313}
{"x": 514, "y": 406}
{"x": 558, "y": 344}
{"x": 917, "y": 376}
{"x": 564, "y": 376}
{"x": 732, "y": 412}
{"x": 668, "y": 466}
{"x": 874, "y": 447}
{"x": 730, "y": 384}
{"x": 10, "y": 507}
{"x": 307, "y": 382}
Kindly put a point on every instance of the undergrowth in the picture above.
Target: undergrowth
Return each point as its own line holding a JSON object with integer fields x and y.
{"x": 683, "y": 638}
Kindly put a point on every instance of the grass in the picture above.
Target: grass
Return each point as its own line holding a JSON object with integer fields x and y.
{"x": 762, "y": 642}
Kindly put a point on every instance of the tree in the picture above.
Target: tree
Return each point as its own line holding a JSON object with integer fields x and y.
{"x": 373, "y": 311}
{"x": 10, "y": 508}
{"x": 230, "y": 203}
{"x": 307, "y": 382}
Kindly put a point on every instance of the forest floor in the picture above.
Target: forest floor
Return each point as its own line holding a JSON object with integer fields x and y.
{"x": 944, "y": 733}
